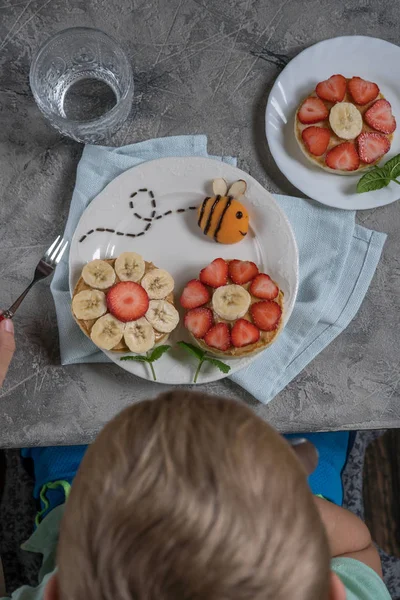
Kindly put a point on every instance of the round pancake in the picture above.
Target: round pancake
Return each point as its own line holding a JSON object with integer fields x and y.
{"x": 335, "y": 140}
{"x": 86, "y": 326}
{"x": 266, "y": 337}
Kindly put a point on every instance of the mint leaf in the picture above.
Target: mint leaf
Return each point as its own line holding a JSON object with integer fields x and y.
{"x": 392, "y": 167}
{"x": 158, "y": 352}
{"x": 218, "y": 363}
{"x": 373, "y": 180}
{"x": 197, "y": 352}
{"x": 136, "y": 358}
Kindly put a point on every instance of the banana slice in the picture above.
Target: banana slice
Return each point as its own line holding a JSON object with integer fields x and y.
{"x": 89, "y": 304}
{"x": 139, "y": 335}
{"x": 98, "y": 274}
{"x": 107, "y": 332}
{"x": 231, "y": 302}
{"x": 158, "y": 284}
{"x": 129, "y": 266}
{"x": 162, "y": 315}
{"x": 345, "y": 120}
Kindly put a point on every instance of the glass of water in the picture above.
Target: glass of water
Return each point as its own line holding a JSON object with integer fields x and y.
{"x": 82, "y": 82}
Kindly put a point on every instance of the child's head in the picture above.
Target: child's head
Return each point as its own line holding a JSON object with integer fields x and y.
{"x": 191, "y": 497}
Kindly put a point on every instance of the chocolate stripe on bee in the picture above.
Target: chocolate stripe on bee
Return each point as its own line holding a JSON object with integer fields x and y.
{"x": 147, "y": 227}
{"x": 151, "y": 194}
{"x": 210, "y": 216}
{"x": 203, "y": 206}
{"x": 227, "y": 205}
{"x": 143, "y": 190}
{"x": 131, "y": 204}
{"x": 83, "y": 238}
{"x": 133, "y": 195}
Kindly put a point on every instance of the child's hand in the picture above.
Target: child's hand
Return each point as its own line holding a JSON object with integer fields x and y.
{"x": 7, "y": 347}
{"x": 348, "y": 536}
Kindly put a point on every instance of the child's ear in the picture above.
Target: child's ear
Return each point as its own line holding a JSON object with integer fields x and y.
{"x": 51, "y": 590}
{"x": 337, "y": 589}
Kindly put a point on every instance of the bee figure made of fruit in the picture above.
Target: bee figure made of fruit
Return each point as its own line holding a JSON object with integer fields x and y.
{"x": 222, "y": 217}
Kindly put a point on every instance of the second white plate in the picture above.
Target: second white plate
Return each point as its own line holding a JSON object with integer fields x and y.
{"x": 370, "y": 58}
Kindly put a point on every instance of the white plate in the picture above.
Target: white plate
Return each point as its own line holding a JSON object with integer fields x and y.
{"x": 370, "y": 58}
{"x": 176, "y": 243}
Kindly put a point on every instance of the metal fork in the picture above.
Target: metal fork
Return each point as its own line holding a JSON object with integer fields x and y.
{"x": 45, "y": 267}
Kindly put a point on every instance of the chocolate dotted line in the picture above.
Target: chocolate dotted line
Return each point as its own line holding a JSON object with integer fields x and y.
{"x": 153, "y": 217}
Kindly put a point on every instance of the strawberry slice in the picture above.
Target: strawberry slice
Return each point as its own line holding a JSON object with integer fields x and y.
{"x": 380, "y": 117}
{"x": 316, "y": 139}
{"x": 218, "y": 337}
{"x": 127, "y": 301}
{"x": 266, "y": 314}
{"x": 242, "y": 271}
{"x": 198, "y": 321}
{"x": 332, "y": 89}
{"x": 372, "y": 146}
{"x": 362, "y": 91}
{"x": 244, "y": 333}
{"x": 194, "y": 294}
{"x": 312, "y": 110}
{"x": 343, "y": 157}
{"x": 215, "y": 274}
{"x": 263, "y": 287}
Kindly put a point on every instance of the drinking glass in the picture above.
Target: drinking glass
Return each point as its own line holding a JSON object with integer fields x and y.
{"x": 82, "y": 82}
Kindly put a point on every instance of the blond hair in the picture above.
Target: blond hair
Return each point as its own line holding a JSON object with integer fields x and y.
{"x": 191, "y": 497}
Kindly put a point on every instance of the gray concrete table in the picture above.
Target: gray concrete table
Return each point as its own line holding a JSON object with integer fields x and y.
{"x": 200, "y": 66}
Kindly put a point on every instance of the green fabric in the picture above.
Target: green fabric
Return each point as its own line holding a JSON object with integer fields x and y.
{"x": 52, "y": 485}
{"x": 361, "y": 582}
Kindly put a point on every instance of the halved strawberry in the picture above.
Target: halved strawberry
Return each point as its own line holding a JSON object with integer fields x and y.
{"x": 332, "y": 89}
{"x": 198, "y": 321}
{"x": 362, "y": 91}
{"x": 316, "y": 139}
{"x": 215, "y": 274}
{"x": 262, "y": 286}
{"x": 312, "y": 110}
{"x": 242, "y": 271}
{"x": 372, "y": 146}
{"x": 266, "y": 314}
{"x": 380, "y": 117}
{"x": 127, "y": 301}
{"x": 343, "y": 157}
{"x": 218, "y": 337}
{"x": 244, "y": 333}
{"x": 194, "y": 294}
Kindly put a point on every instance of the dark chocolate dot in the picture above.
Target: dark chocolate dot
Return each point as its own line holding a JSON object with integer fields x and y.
{"x": 147, "y": 219}
{"x": 131, "y": 204}
{"x": 159, "y": 217}
{"x": 153, "y": 214}
{"x": 120, "y": 233}
{"x": 143, "y": 190}
{"x": 168, "y": 212}
{"x": 139, "y": 234}
{"x": 147, "y": 227}
{"x": 100, "y": 229}
{"x": 131, "y": 234}
{"x": 91, "y": 231}
{"x": 151, "y": 194}
{"x": 138, "y": 216}
{"x": 153, "y": 203}
{"x": 239, "y": 214}
{"x": 111, "y": 230}
{"x": 133, "y": 195}
{"x": 83, "y": 238}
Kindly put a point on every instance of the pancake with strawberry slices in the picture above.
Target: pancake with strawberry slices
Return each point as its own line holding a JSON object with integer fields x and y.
{"x": 232, "y": 309}
{"x": 345, "y": 125}
{"x": 119, "y": 304}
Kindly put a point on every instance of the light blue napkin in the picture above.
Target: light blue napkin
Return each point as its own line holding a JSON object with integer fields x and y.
{"x": 337, "y": 262}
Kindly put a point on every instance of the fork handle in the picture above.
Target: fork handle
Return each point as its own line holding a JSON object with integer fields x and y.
{"x": 8, "y": 314}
